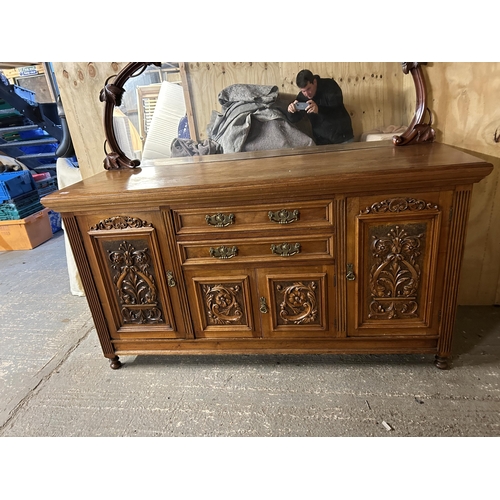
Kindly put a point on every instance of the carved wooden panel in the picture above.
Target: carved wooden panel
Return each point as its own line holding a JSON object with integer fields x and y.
{"x": 135, "y": 283}
{"x": 221, "y": 305}
{"x": 395, "y": 269}
{"x": 131, "y": 266}
{"x": 396, "y": 262}
{"x": 296, "y": 303}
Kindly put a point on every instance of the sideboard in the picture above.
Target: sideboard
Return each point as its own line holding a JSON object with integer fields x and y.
{"x": 352, "y": 248}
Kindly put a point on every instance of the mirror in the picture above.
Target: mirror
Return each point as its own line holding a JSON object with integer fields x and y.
{"x": 149, "y": 104}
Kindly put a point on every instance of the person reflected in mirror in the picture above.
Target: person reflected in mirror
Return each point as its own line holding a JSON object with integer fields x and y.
{"x": 321, "y": 101}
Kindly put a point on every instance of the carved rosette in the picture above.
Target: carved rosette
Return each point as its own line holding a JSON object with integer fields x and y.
{"x": 395, "y": 274}
{"x": 299, "y": 303}
{"x": 135, "y": 284}
{"x": 120, "y": 222}
{"x": 223, "y": 304}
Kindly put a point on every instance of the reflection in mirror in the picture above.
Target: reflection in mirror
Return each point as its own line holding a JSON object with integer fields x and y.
{"x": 151, "y": 111}
{"x": 151, "y": 105}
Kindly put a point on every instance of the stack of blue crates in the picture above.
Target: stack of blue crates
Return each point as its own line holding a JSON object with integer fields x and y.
{"x": 19, "y": 196}
{"x": 45, "y": 187}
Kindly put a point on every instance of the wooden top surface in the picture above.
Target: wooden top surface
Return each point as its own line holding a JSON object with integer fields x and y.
{"x": 360, "y": 168}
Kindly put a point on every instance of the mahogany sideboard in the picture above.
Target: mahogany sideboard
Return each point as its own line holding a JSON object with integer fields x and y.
{"x": 332, "y": 249}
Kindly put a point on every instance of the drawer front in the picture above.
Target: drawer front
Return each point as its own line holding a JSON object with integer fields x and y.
{"x": 315, "y": 214}
{"x": 303, "y": 248}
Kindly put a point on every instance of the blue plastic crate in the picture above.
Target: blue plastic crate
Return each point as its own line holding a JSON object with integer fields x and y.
{"x": 14, "y": 184}
{"x": 20, "y": 207}
{"x": 26, "y": 94}
{"x": 55, "y": 221}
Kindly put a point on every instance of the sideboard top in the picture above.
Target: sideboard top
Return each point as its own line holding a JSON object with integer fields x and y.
{"x": 317, "y": 171}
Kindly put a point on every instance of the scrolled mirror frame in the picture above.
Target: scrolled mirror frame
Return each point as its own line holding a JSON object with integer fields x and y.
{"x": 111, "y": 95}
{"x": 418, "y": 130}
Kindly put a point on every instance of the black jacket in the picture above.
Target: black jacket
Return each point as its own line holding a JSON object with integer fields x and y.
{"x": 332, "y": 124}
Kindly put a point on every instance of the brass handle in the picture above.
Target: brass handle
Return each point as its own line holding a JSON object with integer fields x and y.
{"x": 350, "y": 276}
{"x": 283, "y": 216}
{"x": 223, "y": 252}
{"x": 170, "y": 279}
{"x": 285, "y": 249}
{"x": 219, "y": 220}
{"x": 263, "y": 306}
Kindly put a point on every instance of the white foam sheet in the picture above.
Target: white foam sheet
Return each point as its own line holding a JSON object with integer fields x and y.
{"x": 170, "y": 108}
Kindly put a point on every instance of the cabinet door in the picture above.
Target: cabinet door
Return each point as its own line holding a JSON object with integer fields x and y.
{"x": 295, "y": 303}
{"x": 134, "y": 281}
{"x": 393, "y": 273}
{"x": 220, "y": 300}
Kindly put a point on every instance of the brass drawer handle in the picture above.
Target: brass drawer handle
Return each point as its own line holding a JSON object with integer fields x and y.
{"x": 223, "y": 252}
{"x": 263, "y": 306}
{"x": 220, "y": 220}
{"x": 284, "y": 216}
{"x": 350, "y": 276}
{"x": 285, "y": 249}
{"x": 170, "y": 279}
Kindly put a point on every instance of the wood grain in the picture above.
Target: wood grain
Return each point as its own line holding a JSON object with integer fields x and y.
{"x": 397, "y": 237}
{"x": 80, "y": 84}
{"x": 464, "y": 101}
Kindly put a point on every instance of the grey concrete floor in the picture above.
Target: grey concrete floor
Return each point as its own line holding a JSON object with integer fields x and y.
{"x": 55, "y": 381}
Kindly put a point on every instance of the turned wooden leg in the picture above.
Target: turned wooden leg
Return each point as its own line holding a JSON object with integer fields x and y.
{"x": 115, "y": 363}
{"x": 441, "y": 362}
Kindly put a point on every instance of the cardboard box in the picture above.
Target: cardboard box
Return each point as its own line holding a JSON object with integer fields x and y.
{"x": 27, "y": 233}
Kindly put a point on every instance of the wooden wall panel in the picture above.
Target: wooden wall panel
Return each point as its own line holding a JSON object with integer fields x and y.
{"x": 80, "y": 84}
{"x": 464, "y": 100}
{"x": 375, "y": 94}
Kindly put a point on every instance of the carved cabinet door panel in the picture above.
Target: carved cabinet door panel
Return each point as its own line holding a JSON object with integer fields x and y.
{"x": 220, "y": 301}
{"x": 395, "y": 261}
{"x": 297, "y": 303}
{"x": 129, "y": 261}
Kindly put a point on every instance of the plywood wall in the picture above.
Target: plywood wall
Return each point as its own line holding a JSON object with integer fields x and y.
{"x": 80, "y": 84}
{"x": 464, "y": 100}
{"x": 375, "y": 94}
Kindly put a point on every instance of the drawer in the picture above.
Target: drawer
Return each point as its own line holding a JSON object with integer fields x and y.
{"x": 311, "y": 247}
{"x": 313, "y": 214}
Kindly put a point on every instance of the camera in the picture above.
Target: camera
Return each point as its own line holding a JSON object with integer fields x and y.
{"x": 301, "y": 105}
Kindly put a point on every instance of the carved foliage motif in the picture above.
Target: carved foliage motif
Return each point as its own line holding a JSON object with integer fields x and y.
{"x": 111, "y": 93}
{"x": 395, "y": 273}
{"x": 299, "y": 303}
{"x": 399, "y": 205}
{"x": 223, "y": 304}
{"x": 134, "y": 280}
{"x": 120, "y": 222}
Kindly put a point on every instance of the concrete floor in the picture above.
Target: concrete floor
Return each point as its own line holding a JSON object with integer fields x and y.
{"x": 55, "y": 381}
